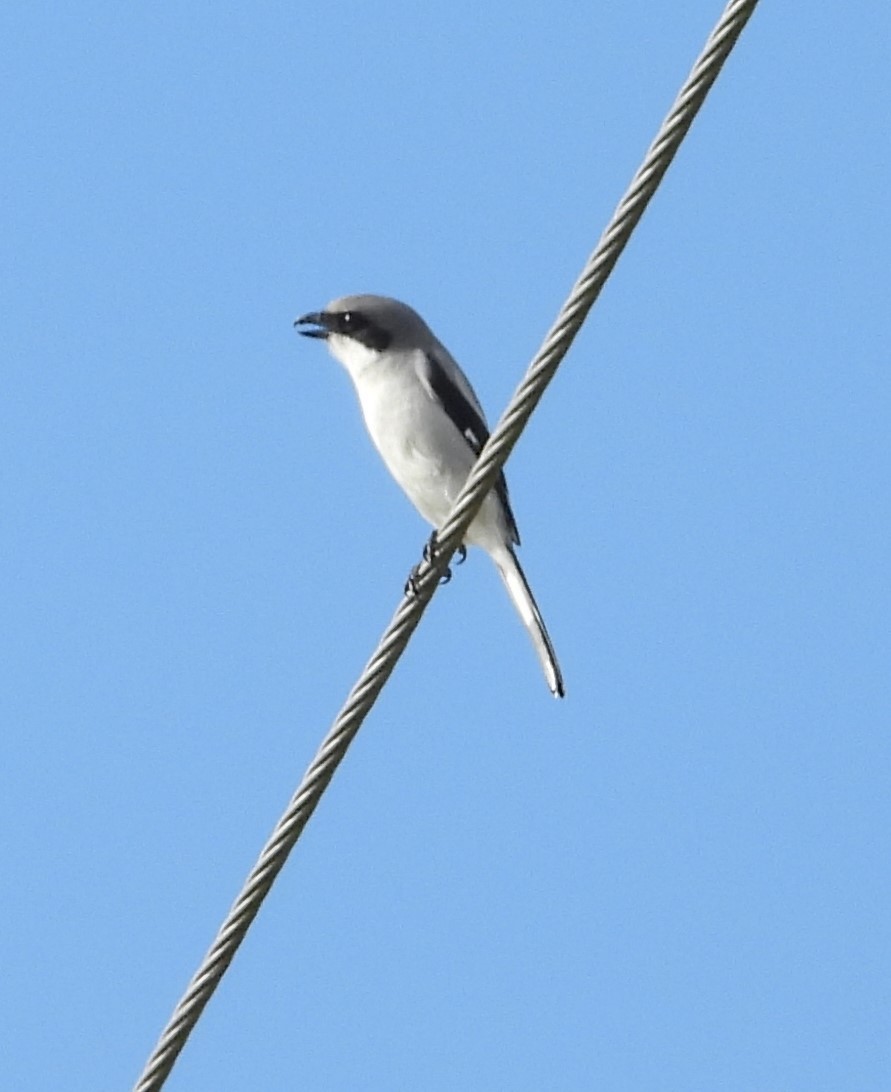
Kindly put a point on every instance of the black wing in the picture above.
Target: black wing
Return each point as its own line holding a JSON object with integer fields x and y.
{"x": 466, "y": 418}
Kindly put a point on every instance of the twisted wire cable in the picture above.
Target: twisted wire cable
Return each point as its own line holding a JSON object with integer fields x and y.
{"x": 505, "y": 435}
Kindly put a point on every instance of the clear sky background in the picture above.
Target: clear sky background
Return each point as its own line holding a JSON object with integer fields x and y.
{"x": 679, "y": 877}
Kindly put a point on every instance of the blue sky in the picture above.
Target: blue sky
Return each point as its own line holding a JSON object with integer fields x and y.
{"x": 677, "y": 878}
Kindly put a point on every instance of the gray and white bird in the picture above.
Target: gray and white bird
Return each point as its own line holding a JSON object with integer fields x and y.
{"x": 428, "y": 425}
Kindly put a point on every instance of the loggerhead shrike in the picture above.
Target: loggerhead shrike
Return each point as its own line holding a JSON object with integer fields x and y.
{"x": 429, "y": 428}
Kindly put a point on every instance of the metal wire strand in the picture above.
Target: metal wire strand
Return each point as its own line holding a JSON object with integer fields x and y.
{"x": 409, "y": 613}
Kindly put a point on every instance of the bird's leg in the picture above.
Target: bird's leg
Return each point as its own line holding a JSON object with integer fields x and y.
{"x": 411, "y": 585}
{"x": 431, "y": 547}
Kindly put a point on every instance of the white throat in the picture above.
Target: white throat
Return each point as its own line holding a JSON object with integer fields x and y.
{"x": 352, "y": 354}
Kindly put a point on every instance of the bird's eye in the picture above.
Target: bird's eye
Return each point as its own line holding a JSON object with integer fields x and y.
{"x": 351, "y": 321}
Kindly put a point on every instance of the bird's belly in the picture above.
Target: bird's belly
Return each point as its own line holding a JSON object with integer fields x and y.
{"x": 422, "y": 449}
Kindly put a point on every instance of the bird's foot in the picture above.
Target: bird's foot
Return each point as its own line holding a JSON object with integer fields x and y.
{"x": 412, "y": 585}
{"x": 431, "y": 548}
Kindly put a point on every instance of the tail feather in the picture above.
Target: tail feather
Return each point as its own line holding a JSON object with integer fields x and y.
{"x": 521, "y": 594}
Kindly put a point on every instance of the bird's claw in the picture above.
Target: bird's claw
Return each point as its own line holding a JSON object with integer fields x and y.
{"x": 411, "y": 585}
{"x": 431, "y": 547}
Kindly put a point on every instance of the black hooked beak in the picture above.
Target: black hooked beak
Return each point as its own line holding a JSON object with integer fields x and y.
{"x": 319, "y": 319}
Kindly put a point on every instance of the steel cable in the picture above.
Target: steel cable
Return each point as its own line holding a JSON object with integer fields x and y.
{"x": 409, "y": 613}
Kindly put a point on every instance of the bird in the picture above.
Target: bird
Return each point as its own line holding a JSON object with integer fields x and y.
{"x": 428, "y": 425}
